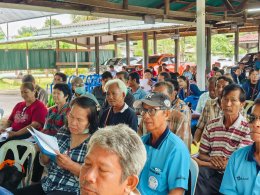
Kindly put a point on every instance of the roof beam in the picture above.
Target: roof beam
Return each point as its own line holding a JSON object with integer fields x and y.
{"x": 228, "y": 5}
{"x": 125, "y": 4}
{"x": 166, "y": 7}
{"x": 188, "y": 6}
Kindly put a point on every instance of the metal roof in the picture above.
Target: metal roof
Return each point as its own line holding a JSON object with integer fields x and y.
{"x": 12, "y": 15}
{"x": 91, "y": 29}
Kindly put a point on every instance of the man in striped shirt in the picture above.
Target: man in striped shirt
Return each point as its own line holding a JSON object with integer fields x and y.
{"x": 221, "y": 137}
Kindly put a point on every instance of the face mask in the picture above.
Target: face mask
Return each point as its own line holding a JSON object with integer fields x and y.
{"x": 86, "y": 131}
{"x": 80, "y": 90}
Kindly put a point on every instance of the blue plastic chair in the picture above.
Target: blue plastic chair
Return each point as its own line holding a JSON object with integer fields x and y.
{"x": 194, "y": 170}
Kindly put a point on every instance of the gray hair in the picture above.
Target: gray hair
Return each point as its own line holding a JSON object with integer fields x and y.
{"x": 125, "y": 143}
{"x": 121, "y": 85}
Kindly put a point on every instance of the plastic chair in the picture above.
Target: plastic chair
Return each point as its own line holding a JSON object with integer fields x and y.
{"x": 30, "y": 154}
{"x": 247, "y": 106}
{"x": 194, "y": 170}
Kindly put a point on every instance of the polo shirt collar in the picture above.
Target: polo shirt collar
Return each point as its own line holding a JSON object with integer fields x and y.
{"x": 124, "y": 108}
{"x": 236, "y": 124}
{"x": 160, "y": 139}
{"x": 251, "y": 158}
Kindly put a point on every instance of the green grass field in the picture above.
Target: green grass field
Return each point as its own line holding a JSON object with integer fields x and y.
{"x": 6, "y": 84}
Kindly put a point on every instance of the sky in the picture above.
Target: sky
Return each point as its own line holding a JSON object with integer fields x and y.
{"x": 38, "y": 23}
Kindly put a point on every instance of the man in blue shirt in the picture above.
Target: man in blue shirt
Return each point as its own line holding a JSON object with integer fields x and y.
{"x": 134, "y": 84}
{"x": 167, "y": 167}
{"x": 242, "y": 174}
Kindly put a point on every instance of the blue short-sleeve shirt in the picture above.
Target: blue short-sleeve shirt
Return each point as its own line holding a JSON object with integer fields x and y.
{"x": 242, "y": 174}
{"x": 167, "y": 165}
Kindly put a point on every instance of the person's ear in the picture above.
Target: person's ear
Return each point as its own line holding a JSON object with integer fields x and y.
{"x": 131, "y": 183}
{"x": 124, "y": 94}
{"x": 167, "y": 114}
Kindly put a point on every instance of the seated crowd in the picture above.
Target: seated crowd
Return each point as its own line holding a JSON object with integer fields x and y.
{"x": 125, "y": 139}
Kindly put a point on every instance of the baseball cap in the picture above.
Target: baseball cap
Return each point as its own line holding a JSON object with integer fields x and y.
{"x": 154, "y": 99}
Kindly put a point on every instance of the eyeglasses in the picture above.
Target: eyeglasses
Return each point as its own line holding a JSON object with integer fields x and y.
{"x": 151, "y": 111}
{"x": 251, "y": 118}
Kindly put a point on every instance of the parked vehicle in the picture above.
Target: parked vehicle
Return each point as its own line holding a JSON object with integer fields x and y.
{"x": 118, "y": 63}
{"x": 249, "y": 60}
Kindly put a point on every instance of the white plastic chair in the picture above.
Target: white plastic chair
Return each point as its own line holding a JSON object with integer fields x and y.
{"x": 248, "y": 105}
{"x": 194, "y": 170}
{"x": 29, "y": 153}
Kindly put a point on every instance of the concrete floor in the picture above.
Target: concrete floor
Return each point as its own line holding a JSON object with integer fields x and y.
{"x": 8, "y": 99}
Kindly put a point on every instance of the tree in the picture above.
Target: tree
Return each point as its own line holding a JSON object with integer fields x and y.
{"x": 26, "y": 31}
{"x": 80, "y": 18}
{"x": 54, "y": 22}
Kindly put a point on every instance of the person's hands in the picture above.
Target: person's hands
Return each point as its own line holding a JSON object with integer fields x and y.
{"x": 195, "y": 142}
{"x": 218, "y": 162}
{"x": 63, "y": 161}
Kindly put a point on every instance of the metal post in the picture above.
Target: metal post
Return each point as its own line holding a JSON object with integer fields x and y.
{"x": 145, "y": 50}
{"x": 154, "y": 43}
{"x": 236, "y": 52}
{"x": 201, "y": 47}
{"x": 258, "y": 48}
{"x": 27, "y": 58}
{"x": 57, "y": 55}
{"x": 50, "y": 27}
{"x": 127, "y": 50}
{"x": 76, "y": 56}
{"x": 177, "y": 51}
{"x": 208, "y": 59}
{"x": 115, "y": 45}
{"x": 7, "y": 31}
{"x": 97, "y": 54}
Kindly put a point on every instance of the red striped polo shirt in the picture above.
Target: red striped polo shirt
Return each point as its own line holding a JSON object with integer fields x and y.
{"x": 219, "y": 141}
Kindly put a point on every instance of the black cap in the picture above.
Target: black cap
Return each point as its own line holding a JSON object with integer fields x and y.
{"x": 154, "y": 99}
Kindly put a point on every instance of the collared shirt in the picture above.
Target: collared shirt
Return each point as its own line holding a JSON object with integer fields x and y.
{"x": 61, "y": 179}
{"x": 160, "y": 175}
{"x": 55, "y": 119}
{"x": 218, "y": 141}
{"x": 126, "y": 116}
{"x": 202, "y": 102}
{"x": 211, "y": 110}
{"x": 242, "y": 174}
{"x": 139, "y": 94}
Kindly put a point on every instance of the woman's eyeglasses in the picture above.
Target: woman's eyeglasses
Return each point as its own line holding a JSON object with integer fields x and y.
{"x": 251, "y": 118}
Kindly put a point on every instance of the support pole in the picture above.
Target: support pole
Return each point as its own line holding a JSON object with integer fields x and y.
{"x": 201, "y": 48}
{"x": 208, "y": 59}
{"x": 115, "y": 45}
{"x": 76, "y": 57}
{"x": 154, "y": 43}
{"x": 88, "y": 42}
{"x": 145, "y": 51}
{"x": 7, "y": 31}
{"x": 97, "y": 54}
{"x": 236, "y": 52}
{"x": 258, "y": 45}
{"x": 27, "y": 59}
{"x": 177, "y": 52}
{"x": 57, "y": 55}
{"x": 50, "y": 27}
{"x": 127, "y": 50}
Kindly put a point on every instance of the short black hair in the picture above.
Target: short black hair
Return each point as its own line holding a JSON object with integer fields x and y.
{"x": 215, "y": 68}
{"x": 136, "y": 76}
{"x": 111, "y": 66}
{"x": 257, "y": 102}
{"x": 124, "y": 73}
{"x": 62, "y": 75}
{"x": 28, "y": 78}
{"x": 183, "y": 78}
{"x": 148, "y": 70}
{"x": 28, "y": 85}
{"x": 233, "y": 87}
{"x": 174, "y": 83}
{"x": 65, "y": 89}
{"x": 166, "y": 84}
{"x": 229, "y": 80}
{"x": 220, "y": 71}
{"x": 166, "y": 75}
{"x": 174, "y": 75}
{"x": 251, "y": 71}
{"x": 106, "y": 75}
{"x": 88, "y": 103}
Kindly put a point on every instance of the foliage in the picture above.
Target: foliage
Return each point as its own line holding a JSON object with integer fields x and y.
{"x": 52, "y": 22}
{"x": 26, "y": 31}
{"x": 80, "y": 18}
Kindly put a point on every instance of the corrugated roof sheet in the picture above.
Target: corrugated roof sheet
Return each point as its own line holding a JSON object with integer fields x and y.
{"x": 12, "y": 15}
